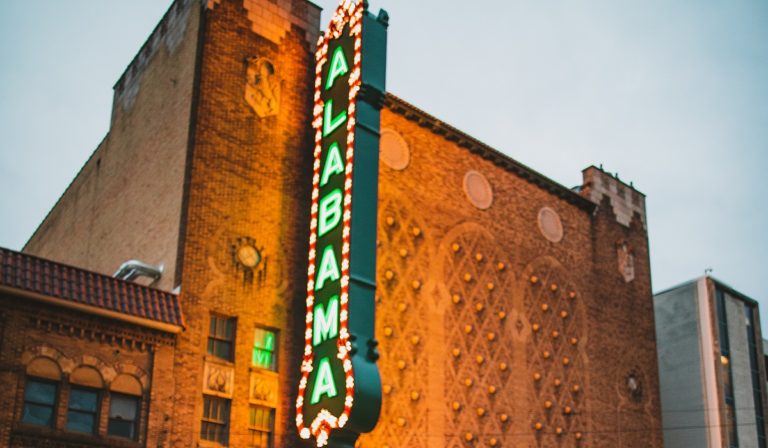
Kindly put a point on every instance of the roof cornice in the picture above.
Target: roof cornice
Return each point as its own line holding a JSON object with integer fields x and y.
{"x": 463, "y": 140}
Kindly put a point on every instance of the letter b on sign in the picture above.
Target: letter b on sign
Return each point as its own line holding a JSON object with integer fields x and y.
{"x": 330, "y": 212}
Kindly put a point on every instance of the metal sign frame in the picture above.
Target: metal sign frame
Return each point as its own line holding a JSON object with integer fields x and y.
{"x": 340, "y": 387}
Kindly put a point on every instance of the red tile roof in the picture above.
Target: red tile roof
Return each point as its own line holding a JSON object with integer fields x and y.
{"x": 73, "y": 285}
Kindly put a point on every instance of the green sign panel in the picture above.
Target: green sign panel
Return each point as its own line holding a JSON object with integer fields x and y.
{"x": 340, "y": 388}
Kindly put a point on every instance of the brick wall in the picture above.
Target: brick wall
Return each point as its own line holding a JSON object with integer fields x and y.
{"x": 126, "y": 201}
{"x": 249, "y": 183}
{"x": 474, "y": 346}
{"x": 73, "y": 340}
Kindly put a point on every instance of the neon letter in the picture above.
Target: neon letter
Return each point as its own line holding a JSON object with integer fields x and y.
{"x": 326, "y": 322}
{"x": 330, "y": 212}
{"x": 330, "y": 123}
{"x": 261, "y": 358}
{"x": 333, "y": 164}
{"x": 338, "y": 68}
{"x": 323, "y": 382}
{"x": 329, "y": 269}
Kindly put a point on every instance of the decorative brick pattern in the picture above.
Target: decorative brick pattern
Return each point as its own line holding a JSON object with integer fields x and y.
{"x": 625, "y": 200}
{"x": 402, "y": 310}
{"x": 71, "y": 340}
{"x": 272, "y": 19}
{"x": 555, "y": 355}
{"x": 478, "y": 354}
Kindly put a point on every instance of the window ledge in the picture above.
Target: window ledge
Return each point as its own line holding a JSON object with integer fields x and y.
{"x": 263, "y": 371}
{"x": 221, "y": 361}
{"x": 30, "y": 435}
{"x": 209, "y": 444}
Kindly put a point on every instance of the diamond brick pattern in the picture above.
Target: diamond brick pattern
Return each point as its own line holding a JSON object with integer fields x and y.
{"x": 401, "y": 319}
{"x": 555, "y": 355}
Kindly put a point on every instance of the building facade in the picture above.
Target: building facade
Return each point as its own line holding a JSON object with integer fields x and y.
{"x": 711, "y": 366}
{"x": 85, "y": 359}
{"x": 511, "y": 311}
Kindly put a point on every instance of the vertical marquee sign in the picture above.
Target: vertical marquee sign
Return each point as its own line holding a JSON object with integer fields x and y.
{"x": 340, "y": 388}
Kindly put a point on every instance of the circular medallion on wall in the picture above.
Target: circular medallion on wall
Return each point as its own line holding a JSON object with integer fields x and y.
{"x": 245, "y": 253}
{"x": 478, "y": 190}
{"x": 394, "y": 150}
{"x": 550, "y": 225}
{"x": 248, "y": 256}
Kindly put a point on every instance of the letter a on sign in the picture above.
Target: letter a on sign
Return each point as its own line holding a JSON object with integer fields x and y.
{"x": 339, "y": 67}
{"x": 333, "y": 164}
{"x": 329, "y": 268}
{"x": 323, "y": 382}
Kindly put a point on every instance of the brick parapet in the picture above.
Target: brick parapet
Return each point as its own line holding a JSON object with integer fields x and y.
{"x": 625, "y": 200}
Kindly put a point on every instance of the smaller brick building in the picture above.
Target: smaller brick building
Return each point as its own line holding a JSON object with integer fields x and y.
{"x": 85, "y": 359}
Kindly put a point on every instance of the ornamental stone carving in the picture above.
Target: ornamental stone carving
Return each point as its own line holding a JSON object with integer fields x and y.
{"x": 394, "y": 150}
{"x": 478, "y": 190}
{"x": 264, "y": 388}
{"x": 218, "y": 379}
{"x": 263, "y": 87}
{"x": 550, "y": 225}
{"x": 626, "y": 261}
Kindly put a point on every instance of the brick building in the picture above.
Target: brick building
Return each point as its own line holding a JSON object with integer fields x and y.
{"x": 85, "y": 359}
{"x": 511, "y": 311}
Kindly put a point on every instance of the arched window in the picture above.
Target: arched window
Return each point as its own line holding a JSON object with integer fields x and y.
{"x": 84, "y": 399}
{"x": 124, "y": 407}
{"x": 41, "y": 391}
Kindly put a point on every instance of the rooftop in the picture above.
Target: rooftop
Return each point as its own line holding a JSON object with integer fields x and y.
{"x": 71, "y": 287}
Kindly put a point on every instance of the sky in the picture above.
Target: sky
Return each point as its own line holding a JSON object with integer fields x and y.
{"x": 672, "y": 95}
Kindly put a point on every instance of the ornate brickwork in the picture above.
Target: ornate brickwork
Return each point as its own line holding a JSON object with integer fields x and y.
{"x": 263, "y": 87}
{"x": 67, "y": 364}
{"x": 272, "y": 19}
{"x": 555, "y": 355}
{"x": 478, "y": 360}
{"x": 403, "y": 311}
{"x": 624, "y": 199}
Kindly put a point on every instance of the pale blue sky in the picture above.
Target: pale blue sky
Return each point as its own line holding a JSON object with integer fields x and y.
{"x": 672, "y": 94}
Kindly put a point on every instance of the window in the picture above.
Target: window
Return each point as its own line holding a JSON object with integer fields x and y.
{"x": 39, "y": 402}
{"x": 727, "y": 374}
{"x": 215, "y": 424}
{"x": 221, "y": 336}
{"x": 82, "y": 410}
{"x": 261, "y": 426}
{"x": 123, "y": 410}
{"x": 757, "y": 391}
{"x": 264, "y": 348}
